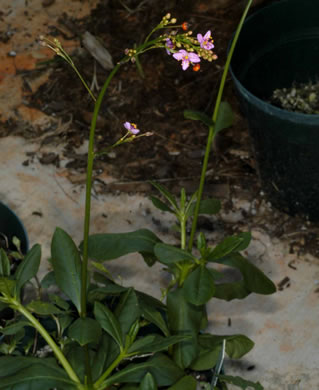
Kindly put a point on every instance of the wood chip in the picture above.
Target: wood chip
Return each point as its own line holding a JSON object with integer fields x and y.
{"x": 98, "y": 51}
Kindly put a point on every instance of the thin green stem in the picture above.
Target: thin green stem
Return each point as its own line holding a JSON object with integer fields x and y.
{"x": 139, "y": 67}
{"x": 58, "y": 353}
{"x": 211, "y": 133}
{"x": 89, "y": 174}
{"x": 183, "y": 232}
{"x": 110, "y": 369}
{"x": 84, "y": 83}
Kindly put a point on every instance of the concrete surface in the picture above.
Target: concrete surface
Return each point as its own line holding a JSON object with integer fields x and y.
{"x": 283, "y": 325}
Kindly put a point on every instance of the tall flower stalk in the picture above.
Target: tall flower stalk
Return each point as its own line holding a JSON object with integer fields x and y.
{"x": 212, "y": 133}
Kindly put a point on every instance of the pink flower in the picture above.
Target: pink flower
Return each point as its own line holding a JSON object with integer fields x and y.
{"x": 186, "y": 58}
{"x": 131, "y": 127}
{"x": 205, "y": 41}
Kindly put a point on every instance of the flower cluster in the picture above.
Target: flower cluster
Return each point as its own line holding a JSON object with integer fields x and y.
{"x": 189, "y": 50}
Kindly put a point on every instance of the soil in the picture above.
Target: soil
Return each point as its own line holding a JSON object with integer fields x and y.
{"x": 174, "y": 153}
{"x": 300, "y": 97}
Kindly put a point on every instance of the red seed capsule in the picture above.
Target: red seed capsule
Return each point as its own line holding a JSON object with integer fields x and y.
{"x": 196, "y": 68}
{"x": 185, "y": 26}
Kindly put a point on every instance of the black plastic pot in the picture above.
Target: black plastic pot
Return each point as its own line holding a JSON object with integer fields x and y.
{"x": 279, "y": 45}
{"x": 11, "y": 225}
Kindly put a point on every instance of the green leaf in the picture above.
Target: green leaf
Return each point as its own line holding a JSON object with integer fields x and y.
{"x": 100, "y": 293}
{"x": 161, "y": 205}
{"x": 29, "y": 266}
{"x": 207, "y": 358}
{"x": 167, "y": 195}
{"x": 7, "y": 286}
{"x": 225, "y": 117}
{"x": 246, "y": 236}
{"x": 188, "y": 382}
{"x": 14, "y": 328}
{"x": 107, "y": 351}
{"x": 162, "y": 368}
{"x": 4, "y": 263}
{"x": 210, "y": 346}
{"x": 207, "y": 206}
{"x": 155, "y": 343}
{"x": 66, "y": 263}
{"x": 127, "y": 310}
{"x": 184, "y": 318}
{"x": 198, "y": 116}
{"x": 65, "y": 321}
{"x": 100, "y": 267}
{"x": 169, "y": 254}
{"x": 240, "y": 382}
{"x": 229, "y": 245}
{"x": 237, "y": 345}
{"x": 57, "y": 300}
{"x": 199, "y": 286}
{"x": 148, "y": 382}
{"x": 108, "y": 322}
{"x": 85, "y": 331}
{"x": 76, "y": 356}
{"x": 28, "y": 373}
{"x": 111, "y": 246}
{"x": 254, "y": 280}
{"x": 43, "y": 308}
{"x": 48, "y": 280}
{"x": 150, "y": 312}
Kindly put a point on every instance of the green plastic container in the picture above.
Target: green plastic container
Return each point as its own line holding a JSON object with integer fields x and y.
{"x": 11, "y": 225}
{"x": 279, "y": 45}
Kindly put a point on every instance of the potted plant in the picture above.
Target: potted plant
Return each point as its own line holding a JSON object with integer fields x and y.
{"x": 279, "y": 44}
{"x": 97, "y": 334}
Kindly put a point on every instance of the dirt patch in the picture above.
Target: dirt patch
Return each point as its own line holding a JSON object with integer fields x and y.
{"x": 57, "y": 110}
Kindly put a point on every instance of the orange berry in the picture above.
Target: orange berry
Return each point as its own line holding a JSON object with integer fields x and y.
{"x": 185, "y": 26}
{"x": 196, "y": 68}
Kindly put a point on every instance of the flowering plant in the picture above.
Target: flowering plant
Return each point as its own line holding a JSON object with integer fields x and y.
{"x": 104, "y": 335}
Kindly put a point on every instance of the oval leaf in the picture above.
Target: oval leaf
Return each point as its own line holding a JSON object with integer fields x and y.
{"x": 155, "y": 343}
{"x": 43, "y": 308}
{"x": 254, "y": 280}
{"x": 111, "y": 246}
{"x": 148, "y": 382}
{"x": 108, "y": 322}
{"x": 163, "y": 369}
{"x": 207, "y": 206}
{"x": 199, "y": 286}
{"x": 188, "y": 382}
{"x": 15, "y": 327}
{"x": 168, "y": 254}
{"x": 198, "y": 116}
{"x": 28, "y": 373}
{"x": 85, "y": 331}
{"x": 29, "y": 266}
{"x": 240, "y": 382}
{"x": 66, "y": 263}
{"x": 184, "y": 319}
{"x": 160, "y": 205}
{"x": 225, "y": 117}
{"x": 127, "y": 311}
{"x": 229, "y": 245}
